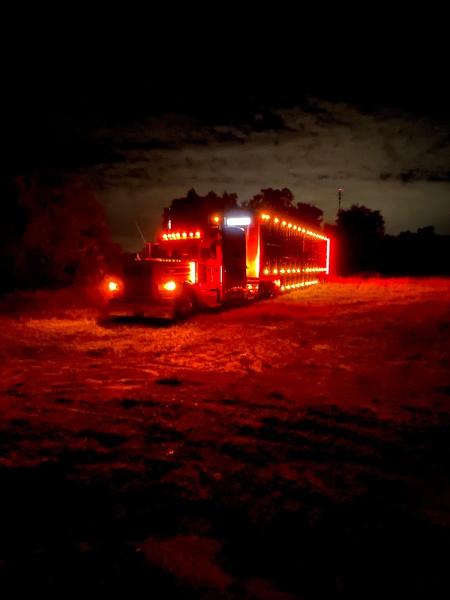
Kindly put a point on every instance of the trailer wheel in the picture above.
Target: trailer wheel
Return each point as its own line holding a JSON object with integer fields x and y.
{"x": 185, "y": 306}
{"x": 267, "y": 290}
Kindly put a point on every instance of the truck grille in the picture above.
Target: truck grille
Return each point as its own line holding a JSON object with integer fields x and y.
{"x": 142, "y": 278}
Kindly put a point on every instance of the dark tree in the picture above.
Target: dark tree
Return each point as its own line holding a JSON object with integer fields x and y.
{"x": 56, "y": 234}
{"x": 278, "y": 201}
{"x": 422, "y": 253}
{"x": 309, "y": 214}
{"x": 194, "y": 209}
{"x": 282, "y": 202}
{"x": 360, "y": 232}
{"x": 12, "y": 226}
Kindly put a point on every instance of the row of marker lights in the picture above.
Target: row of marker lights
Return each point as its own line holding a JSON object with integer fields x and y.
{"x": 181, "y": 236}
{"x": 293, "y": 286}
{"x": 266, "y": 217}
{"x": 307, "y": 270}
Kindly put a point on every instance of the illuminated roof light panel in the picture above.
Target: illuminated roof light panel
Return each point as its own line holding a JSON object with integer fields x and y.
{"x": 238, "y": 221}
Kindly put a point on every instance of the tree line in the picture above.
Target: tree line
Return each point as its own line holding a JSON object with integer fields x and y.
{"x": 362, "y": 247}
{"x": 361, "y": 243}
{"x": 53, "y": 233}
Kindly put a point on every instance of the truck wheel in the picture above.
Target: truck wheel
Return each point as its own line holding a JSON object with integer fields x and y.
{"x": 184, "y": 307}
{"x": 267, "y": 291}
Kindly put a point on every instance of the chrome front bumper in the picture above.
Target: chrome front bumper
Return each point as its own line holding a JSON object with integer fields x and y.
{"x": 162, "y": 309}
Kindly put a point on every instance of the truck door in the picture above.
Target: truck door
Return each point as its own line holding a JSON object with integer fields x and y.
{"x": 234, "y": 258}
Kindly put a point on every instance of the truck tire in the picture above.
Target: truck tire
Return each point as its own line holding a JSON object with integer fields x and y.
{"x": 268, "y": 290}
{"x": 185, "y": 306}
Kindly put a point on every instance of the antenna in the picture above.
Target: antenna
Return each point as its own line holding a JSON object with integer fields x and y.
{"x": 340, "y": 190}
{"x": 140, "y": 232}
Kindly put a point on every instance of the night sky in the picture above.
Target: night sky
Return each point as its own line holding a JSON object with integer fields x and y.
{"x": 144, "y": 124}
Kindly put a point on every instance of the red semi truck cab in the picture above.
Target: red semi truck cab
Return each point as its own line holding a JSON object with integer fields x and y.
{"x": 235, "y": 256}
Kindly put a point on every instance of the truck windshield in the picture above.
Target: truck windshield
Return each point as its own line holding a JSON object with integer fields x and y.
{"x": 178, "y": 249}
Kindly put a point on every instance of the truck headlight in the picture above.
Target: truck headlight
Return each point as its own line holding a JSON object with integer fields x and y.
{"x": 170, "y": 286}
{"x": 113, "y": 286}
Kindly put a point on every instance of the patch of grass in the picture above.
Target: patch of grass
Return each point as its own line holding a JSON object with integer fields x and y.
{"x": 105, "y": 438}
{"x": 128, "y": 403}
{"x": 157, "y": 433}
{"x": 444, "y": 389}
{"x": 63, "y": 400}
{"x": 169, "y": 381}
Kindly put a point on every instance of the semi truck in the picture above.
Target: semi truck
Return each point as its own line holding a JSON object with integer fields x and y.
{"x": 226, "y": 258}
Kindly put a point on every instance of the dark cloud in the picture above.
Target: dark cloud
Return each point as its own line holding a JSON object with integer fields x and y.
{"x": 64, "y": 156}
{"x": 442, "y": 144}
{"x": 145, "y": 134}
{"x": 442, "y": 176}
{"x": 227, "y": 136}
{"x": 424, "y": 175}
{"x": 149, "y": 144}
{"x": 268, "y": 121}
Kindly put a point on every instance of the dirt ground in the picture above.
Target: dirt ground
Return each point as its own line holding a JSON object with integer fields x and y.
{"x": 293, "y": 448}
